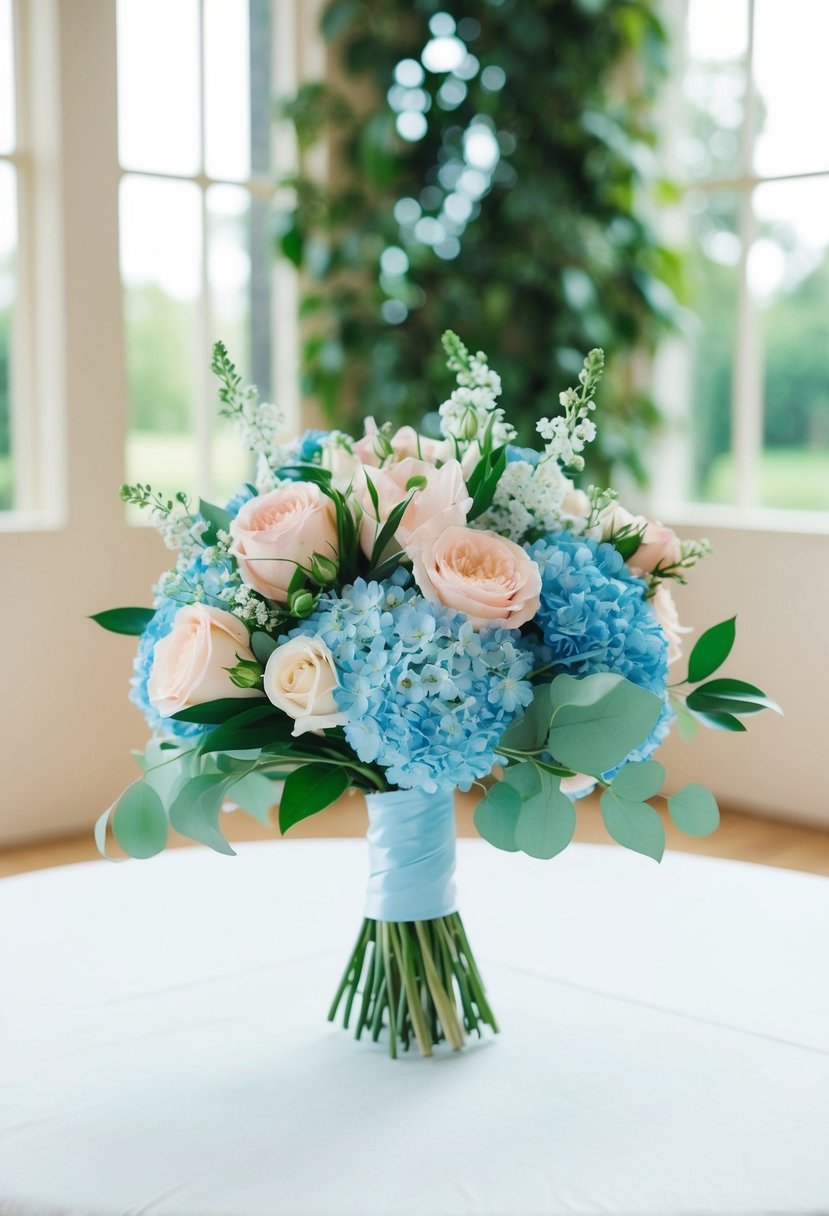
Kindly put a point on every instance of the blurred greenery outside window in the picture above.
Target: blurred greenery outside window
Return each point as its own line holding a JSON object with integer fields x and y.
{"x": 8, "y": 253}
{"x": 195, "y": 148}
{"x": 757, "y": 163}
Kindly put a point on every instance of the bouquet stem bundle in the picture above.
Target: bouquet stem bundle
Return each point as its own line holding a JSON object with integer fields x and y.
{"x": 418, "y": 980}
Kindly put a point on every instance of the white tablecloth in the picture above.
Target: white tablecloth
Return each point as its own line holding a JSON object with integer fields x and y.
{"x": 665, "y": 1044}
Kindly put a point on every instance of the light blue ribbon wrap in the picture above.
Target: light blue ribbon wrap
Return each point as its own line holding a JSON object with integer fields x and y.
{"x": 411, "y": 848}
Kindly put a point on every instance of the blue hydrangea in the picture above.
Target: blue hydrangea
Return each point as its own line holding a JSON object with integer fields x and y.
{"x": 528, "y": 455}
{"x": 235, "y": 504}
{"x": 427, "y": 697}
{"x": 594, "y": 617}
{"x": 309, "y": 448}
{"x": 158, "y": 627}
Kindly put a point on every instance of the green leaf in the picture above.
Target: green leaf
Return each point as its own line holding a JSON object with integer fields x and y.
{"x": 599, "y": 720}
{"x": 483, "y": 495}
{"x": 213, "y": 713}
{"x": 262, "y": 645}
{"x": 546, "y": 821}
{"x": 720, "y": 721}
{"x": 529, "y": 732}
{"x": 196, "y": 809}
{"x": 386, "y": 534}
{"x": 100, "y": 834}
{"x": 730, "y": 696}
{"x": 218, "y": 518}
{"x": 694, "y": 810}
{"x": 636, "y": 825}
{"x": 639, "y": 781}
{"x": 132, "y": 621}
{"x": 496, "y": 816}
{"x": 711, "y": 650}
{"x": 254, "y": 794}
{"x": 256, "y": 727}
{"x": 139, "y": 822}
{"x": 308, "y": 790}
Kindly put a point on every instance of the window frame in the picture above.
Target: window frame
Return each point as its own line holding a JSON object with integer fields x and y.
{"x": 674, "y": 360}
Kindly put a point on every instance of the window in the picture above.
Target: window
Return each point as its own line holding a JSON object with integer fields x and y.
{"x": 198, "y": 173}
{"x": 755, "y": 156}
{"x": 8, "y": 251}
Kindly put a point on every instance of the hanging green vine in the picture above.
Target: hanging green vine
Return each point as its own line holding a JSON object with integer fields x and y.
{"x": 497, "y": 179}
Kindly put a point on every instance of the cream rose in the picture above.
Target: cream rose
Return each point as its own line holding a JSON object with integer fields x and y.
{"x": 664, "y": 609}
{"x": 440, "y": 500}
{"x": 275, "y": 531}
{"x": 489, "y": 578}
{"x": 300, "y": 678}
{"x": 189, "y": 664}
{"x": 576, "y": 503}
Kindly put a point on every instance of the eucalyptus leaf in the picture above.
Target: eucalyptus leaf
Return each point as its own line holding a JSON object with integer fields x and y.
{"x": 597, "y": 732}
{"x": 687, "y": 724}
{"x": 254, "y": 794}
{"x": 525, "y": 778}
{"x": 711, "y": 650}
{"x": 546, "y": 821}
{"x": 496, "y": 816}
{"x": 694, "y": 810}
{"x": 529, "y": 732}
{"x": 196, "y": 809}
{"x": 130, "y": 621}
{"x": 139, "y": 821}
{"x": 639, "y": 781}
{"x": 308, "y": 790}
{"x": 636, "y": 825}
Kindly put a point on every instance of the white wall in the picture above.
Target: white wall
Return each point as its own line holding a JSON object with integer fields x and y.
{"x": 777, "y": 583}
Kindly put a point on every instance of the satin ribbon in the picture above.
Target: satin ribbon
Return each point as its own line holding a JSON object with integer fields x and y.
{"x": 411, "y": 846}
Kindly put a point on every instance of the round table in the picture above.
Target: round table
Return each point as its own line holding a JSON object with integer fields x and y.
{"x": 664, "y": 1046}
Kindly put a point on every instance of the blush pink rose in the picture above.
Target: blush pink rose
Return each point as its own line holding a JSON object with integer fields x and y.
{"x": 664, "y": 609}
{"x": 440, "y": 500}
{"x": 275, "y": 531}
{"x": 189, "y": 664}
{"x": 370, "y": 450}
{"x": 407, "y": 442}
{"x": 489, "y": 578}
{"x": 659, "y": 547}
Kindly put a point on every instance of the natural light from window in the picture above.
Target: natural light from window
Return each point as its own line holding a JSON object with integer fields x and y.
{"x": 758, "y": 155}
{"x": 195, "y": 240}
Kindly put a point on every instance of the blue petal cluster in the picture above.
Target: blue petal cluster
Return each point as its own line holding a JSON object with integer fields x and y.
{"x": 594, "y": 617}
{"x": 427, "y": 697}
{"x": 158, "y": 627}
{"x": 593, "y": 614}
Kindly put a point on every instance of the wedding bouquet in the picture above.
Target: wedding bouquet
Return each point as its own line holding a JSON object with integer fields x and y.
{"x": 408, "y": 615}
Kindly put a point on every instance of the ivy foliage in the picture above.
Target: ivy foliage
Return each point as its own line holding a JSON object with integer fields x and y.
{"x": 544, "y": 251}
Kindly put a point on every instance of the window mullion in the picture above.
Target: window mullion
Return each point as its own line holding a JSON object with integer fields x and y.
{"x": 747, "y": 396}
{"x": 204, "y": 463}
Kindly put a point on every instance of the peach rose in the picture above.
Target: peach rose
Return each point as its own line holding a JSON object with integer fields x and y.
{"x": 659, "y": 547}
{"x": 439, "y": 501}
{"x": 189, "y": 664}
{"x": 275, "y": 531}
{"x": 489, "y": 578}
{"x": 300, "y": 678}
{"x": 664, "y": 609}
